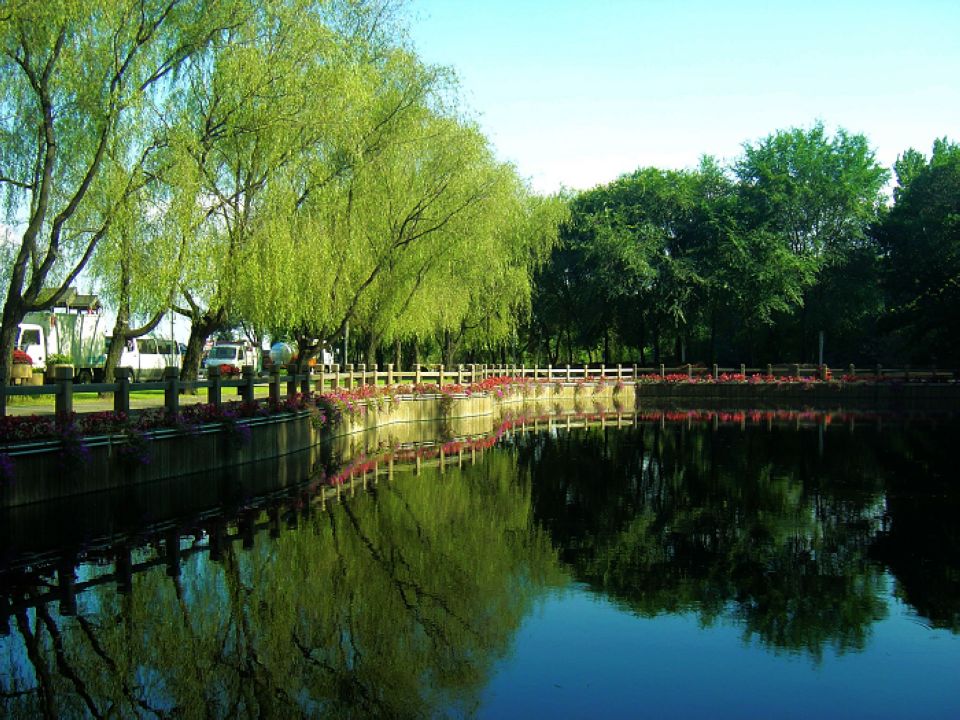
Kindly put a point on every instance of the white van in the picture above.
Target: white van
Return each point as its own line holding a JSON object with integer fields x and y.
{"x": 148, "y": 356}
{"x": 234, "y": 354}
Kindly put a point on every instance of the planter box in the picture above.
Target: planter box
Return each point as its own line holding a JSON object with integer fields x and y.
{"x": 21, "y": 371}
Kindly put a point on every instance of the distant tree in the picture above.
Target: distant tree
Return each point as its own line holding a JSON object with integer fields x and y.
{"x": 921, "y": 240}
{"x": 816, "y": 195}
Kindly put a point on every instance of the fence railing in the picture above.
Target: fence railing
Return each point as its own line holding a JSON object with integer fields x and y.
{"x": 285, "y": 382}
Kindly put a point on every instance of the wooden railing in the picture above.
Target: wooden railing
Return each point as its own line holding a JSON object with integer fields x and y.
{"x": 285, "y": 382}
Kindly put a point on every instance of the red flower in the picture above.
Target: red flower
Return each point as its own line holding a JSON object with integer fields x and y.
{"x": 21, "y": 358}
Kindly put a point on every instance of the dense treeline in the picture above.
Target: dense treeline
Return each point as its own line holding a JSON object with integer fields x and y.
{"x": 288, "y": 167}
{"x": 751, "y": 262}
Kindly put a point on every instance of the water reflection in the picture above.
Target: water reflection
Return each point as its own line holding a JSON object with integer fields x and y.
{"x": 393, "y": 583}
{"x": 786, "y": 531}
{"x": 390, "y": 604}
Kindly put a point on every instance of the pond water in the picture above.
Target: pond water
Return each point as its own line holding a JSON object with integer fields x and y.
{"x": 699, "y": 565}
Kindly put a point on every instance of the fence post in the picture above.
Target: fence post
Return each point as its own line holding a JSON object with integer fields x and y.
{"x": 569, "y": 374}
{"x": 716, "y": 372}
{"x": 171, "y": 390}
{"x": 689, "y": 371}
{"x": 389, "y": 373}
{"x": 743, "y": 369}
{"x": 246, "y": 390}
{"x": 795, "y": 370}
{"x": 335, "y": 369}
{"x": 305, "y": 381}
{"x": 63, "y": 377}
{"x": 769, "y": 370}
{"x": 852, "y": 371}
{"x": 663, "y": 371}
{"x": 291, "y": 379}
{"x": 375, "y": 368}
{"x": 121, "y": 395}
{"x": 440, "y": 375}
{"x": 215, "y": 389}
{"x": 321, "y": 378}
{"x": 636, "y": 372}
{"x": 349, "y": 369}
{"x": 619, "y": 371}
{"x": 460, "y": 374}
{"x": 417, "y": 374}
{"x": 275, "y": 385}
{"x": 824, "y": 372}
{"x": 362, "y": 367}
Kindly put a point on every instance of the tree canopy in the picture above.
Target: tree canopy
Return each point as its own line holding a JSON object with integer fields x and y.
{"x": 752, "y": 262}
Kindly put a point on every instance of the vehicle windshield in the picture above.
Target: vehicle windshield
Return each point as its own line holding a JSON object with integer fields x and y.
{"x": 221, "y": 352}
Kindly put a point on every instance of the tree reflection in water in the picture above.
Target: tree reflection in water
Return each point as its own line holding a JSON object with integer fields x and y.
{"x": 389, "y": 604}
{"x": 397, "y": 602}
{"x": 779, "y": 531}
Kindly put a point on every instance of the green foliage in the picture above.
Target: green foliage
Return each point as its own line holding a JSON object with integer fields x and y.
{"x": 921, "y": 238}
{"x": 745, "y": 265}
{"x": 82, "y": 85}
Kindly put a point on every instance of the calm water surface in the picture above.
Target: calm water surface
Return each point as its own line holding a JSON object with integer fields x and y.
{"x": 785, "y": 568}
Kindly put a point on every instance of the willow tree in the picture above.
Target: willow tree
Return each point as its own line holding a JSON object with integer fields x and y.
{"x": 378, "y": 84}
{"x": 73, "y": 77}
{"x": 291, "y": 102}
{"x": 345, "y": 245}
{"x": 496, "y": 274}
{"x": 245, "y": 101}
{"x": 137, "y": 266}
{"x": 464, "y": 274}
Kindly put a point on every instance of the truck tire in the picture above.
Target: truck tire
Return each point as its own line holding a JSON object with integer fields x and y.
{"x": 84, "y": 376}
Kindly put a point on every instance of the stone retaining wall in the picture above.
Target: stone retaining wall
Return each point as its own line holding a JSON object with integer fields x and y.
{"x": 46, "y": 470}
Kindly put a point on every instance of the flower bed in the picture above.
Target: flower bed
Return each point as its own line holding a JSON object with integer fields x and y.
{"x": 332, "y": 406}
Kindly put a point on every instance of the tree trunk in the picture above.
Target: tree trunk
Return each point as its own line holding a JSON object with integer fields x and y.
{"x": 200, "y": 329}
{"x": 397, "y": 355}
{"x": 713, "y": 333}
{"x": 373, "y": 341}
{"x": 8, "y": 338}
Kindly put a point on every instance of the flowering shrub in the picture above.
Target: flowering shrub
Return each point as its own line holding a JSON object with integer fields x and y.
{"x": 135, "y": 447}
{"x": 21, "y": 358}
{"x": 73, "y": 450}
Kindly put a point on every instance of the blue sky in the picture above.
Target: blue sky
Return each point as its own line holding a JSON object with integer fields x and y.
{"x": 578, "y": 92}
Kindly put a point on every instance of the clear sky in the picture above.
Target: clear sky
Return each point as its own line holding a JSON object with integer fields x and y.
{"x": 578, "y": 92}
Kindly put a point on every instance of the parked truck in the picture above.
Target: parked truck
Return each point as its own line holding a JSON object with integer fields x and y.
{"x": 78, "y": 336}
{"x": 78, "y": 331}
